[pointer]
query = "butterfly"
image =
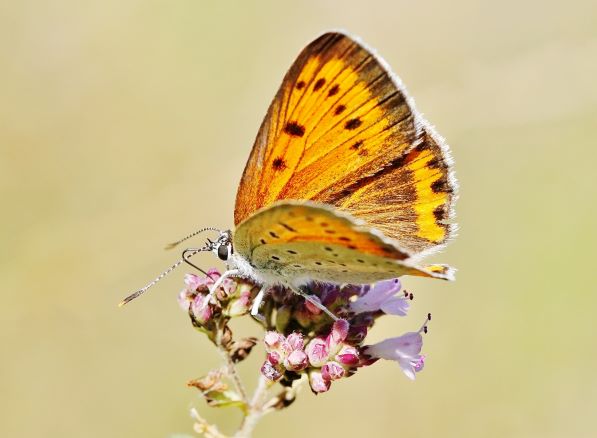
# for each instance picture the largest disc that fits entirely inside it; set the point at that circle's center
(346, 181)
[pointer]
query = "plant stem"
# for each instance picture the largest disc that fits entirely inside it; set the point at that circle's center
(201, 426)
(231, 369)
(255, 410)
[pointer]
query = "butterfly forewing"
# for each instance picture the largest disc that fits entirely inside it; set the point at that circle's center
(410, 200)
(342, 131)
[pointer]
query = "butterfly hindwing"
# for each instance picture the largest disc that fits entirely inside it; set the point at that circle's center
(297, 240)
(342, 131)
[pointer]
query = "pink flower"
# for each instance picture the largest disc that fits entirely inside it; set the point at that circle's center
(274, 358)
(270, 372)
(229, 285)
(184, 299)
(194, 282)
(348, 356)
(295, 341)
(338, 334)
(201, 308)
(318, 383)
(241, 305)
(317, 352)
(420, 364)
(273, 340)
(382, 296)
(332, 371)
(404, 349)
(284, 352)
(296, 361)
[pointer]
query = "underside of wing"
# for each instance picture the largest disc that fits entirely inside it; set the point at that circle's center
(342, 131)
(304, 240)
(411, 200)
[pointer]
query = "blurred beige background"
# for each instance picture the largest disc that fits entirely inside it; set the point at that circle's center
(126, 124)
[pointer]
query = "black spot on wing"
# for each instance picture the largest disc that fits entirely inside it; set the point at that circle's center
(433, 163)
(353, 124)
(439, 213)
(294, 129)
(440, 186)
(279, 164)
(334, 90)
(339, 109)
(288, 227)
(318, 84)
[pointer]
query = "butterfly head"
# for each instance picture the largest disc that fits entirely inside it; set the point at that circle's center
(222, 247)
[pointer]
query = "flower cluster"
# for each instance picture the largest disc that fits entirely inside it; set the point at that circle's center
(302, 342)
(300, 339)
(305, 341)
(322, 359)
(233, 298)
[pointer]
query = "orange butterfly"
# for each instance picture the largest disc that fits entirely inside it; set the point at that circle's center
(346, 182)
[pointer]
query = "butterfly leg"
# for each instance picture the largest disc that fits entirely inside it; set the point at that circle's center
(315, 302)
(218, 283)
(257, 303)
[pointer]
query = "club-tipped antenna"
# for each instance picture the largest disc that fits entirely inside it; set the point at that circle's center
(202, 230)
(184, 259)
(141, 291)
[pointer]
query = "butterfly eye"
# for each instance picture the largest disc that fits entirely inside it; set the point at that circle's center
(223, 252)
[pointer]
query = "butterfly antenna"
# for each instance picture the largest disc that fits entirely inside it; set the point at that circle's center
(174, 244)
(141, 291)
(184, 259)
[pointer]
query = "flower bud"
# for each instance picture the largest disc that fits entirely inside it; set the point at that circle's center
(270, 372)
(273, 358)
(273, 340)
(296, 361)
(348, 356)
(318, 383)
(201, 308)
(193, 282)
(241, 305)
(229, 286)
(317, 352)
(338, 333)
(332, 371)
(184, 299)
(295, 341)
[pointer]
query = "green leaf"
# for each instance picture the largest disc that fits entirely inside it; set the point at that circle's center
(224, 399)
